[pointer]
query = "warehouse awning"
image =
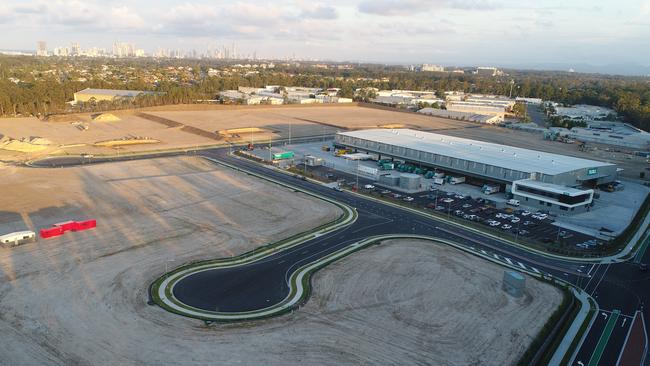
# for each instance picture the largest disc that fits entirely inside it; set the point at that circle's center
(592, 177)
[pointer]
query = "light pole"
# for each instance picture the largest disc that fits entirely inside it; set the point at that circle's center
(448, 208)
(357, 186)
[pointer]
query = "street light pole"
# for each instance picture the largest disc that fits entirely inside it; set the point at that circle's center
(357, 186)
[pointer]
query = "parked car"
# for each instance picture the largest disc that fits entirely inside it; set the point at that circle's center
(525, 213)
(506, 227)
(408, 199)
(448, 200)
(494, 223)
(369, 186)
(512, 202)
(467, 205)
(515, 220)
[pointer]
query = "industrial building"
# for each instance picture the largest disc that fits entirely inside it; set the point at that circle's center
(108, 94)
(463, 116)
(611, 133)
(538, 179)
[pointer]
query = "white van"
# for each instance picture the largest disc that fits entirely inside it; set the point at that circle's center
(512, 202)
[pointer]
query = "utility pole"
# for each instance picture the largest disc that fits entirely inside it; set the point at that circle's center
(357, 186)
(512, 83)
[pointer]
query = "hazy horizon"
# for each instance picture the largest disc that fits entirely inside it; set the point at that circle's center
(604, 34)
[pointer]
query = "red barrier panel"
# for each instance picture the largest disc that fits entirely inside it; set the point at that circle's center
(51, 232)
(66, 226)
(85, 225)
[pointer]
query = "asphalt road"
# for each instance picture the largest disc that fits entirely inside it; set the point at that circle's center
(620, 286)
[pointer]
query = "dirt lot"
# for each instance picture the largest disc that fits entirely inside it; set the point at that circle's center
(276, 121)
(62, 134)
(81, 299)
(279, 119)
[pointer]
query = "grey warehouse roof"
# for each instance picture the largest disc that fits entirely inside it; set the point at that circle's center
(504, 156)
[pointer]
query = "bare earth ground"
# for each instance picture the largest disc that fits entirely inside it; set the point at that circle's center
(277, 121)
(352, 117)
(64, 133)
(81, 299)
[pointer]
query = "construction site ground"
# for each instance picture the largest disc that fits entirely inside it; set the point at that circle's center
(191, 126)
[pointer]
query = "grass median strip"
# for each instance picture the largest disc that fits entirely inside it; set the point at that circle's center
(604, 338)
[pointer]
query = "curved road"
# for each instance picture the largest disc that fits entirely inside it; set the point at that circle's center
(257, 285)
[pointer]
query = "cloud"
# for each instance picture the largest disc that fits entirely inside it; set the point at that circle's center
(122, 17)
(412, 7)
(395, 7)
(319, 12)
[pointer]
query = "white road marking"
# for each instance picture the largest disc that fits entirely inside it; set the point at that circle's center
(509, 261)
(521, 265)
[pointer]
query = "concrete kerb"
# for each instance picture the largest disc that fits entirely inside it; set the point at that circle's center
(298, 281)
(572, 332)
(161, 290)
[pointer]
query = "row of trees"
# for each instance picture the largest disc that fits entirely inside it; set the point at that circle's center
(48, 93)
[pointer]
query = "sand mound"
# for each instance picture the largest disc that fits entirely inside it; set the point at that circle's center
(393, 125)
(24, 145)
(106, 117)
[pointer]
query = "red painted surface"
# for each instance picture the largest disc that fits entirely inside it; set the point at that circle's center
(67, 226)
(85, 225)
(62, 227)
(51, 232)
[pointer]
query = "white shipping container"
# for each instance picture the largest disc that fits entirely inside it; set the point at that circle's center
(368, 170)
(18, 238)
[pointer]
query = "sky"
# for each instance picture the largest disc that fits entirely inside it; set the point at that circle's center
(448, 32)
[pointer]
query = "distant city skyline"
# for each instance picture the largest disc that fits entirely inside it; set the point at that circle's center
(449, 32)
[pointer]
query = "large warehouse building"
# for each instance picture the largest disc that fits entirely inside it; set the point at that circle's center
(556, 182)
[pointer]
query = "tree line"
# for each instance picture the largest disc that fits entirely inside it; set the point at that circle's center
(40, 93)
